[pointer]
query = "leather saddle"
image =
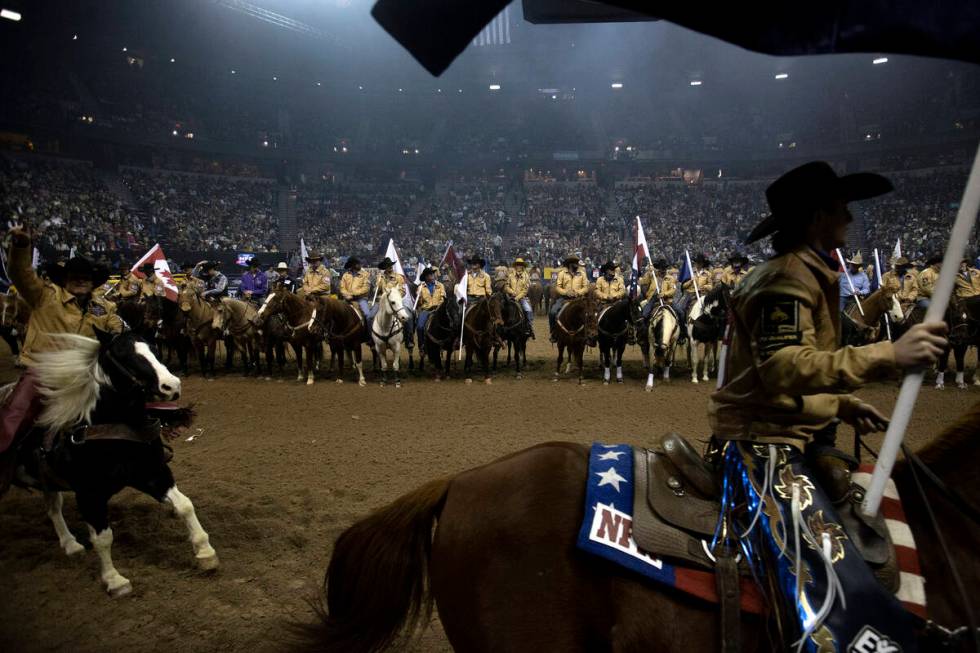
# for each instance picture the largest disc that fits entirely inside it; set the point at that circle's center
(676, 507)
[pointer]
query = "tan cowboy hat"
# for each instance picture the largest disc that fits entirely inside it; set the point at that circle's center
(282, 266)
(900, 262)
(520, 261)
(314, 256)
(856, 259)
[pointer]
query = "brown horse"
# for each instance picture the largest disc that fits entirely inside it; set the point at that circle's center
(14, 314)
(236, 317)
(200, 326)
(305, 333)
(344, 330)
(480, 333)
(861, 329)
(535, 295)
(504, 571)
(577, 326)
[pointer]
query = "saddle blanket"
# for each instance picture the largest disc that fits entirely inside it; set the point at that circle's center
(607, 532)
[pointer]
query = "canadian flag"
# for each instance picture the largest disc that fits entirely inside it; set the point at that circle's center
(159, 261)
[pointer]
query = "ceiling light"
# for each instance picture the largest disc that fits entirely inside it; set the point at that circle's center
(172, 60)
(10, 14)
(495, 87)
(438, 90)
(399, 90)
(782, 76)
(174, 132)
(879, 60)
(554, 97)
(318, 84)
(695, 82)
(617, 85)
(125, 49)
(233, 71)
(275, 79)
(74, 37)
(460, 90)
(360, 88)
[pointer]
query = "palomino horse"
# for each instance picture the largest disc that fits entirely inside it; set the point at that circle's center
(441, 336)
(660, 343)
(705, 326)
(102, 439)
(494, 548)
(200, 327)
(857, 329)
(963, 318)
(389, 331)
(237, 318)
(513, 331)
(480, 325)
(301, 318)
(344, 330)
(613, 326)
(14, 314)
(576, 327)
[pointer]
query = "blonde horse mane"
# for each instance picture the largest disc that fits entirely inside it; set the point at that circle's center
(69, 380)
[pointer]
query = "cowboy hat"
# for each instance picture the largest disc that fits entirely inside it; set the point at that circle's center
(148, 269)
(857, 259)
(608, 265)
(78, 267)
(186, 265)
(520, 261)
(660, 264)
(702, 259)
(934, 258)
(811, 184)
(386, 264)
(210, 265)
(314, 256)
(253, 263)
(351, 262)
(900, 262)
(477, 260)
(571, 260)
(282, 266)
(426, 272)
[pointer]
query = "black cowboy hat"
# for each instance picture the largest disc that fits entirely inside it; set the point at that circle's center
(702, 259)
(477, 260)
(210, 265)
(740, 259)
(808, 186)
(351, 262)
(186, 265)
(933, 259)
(386, 264)
(426, 272)
(253, 262)
(608, 265)
(314, 256)
(79, 267)
(570, 260)
(661, 264)
(148, 269)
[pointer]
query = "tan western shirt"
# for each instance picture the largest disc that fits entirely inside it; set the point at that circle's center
(431, 301)
(316, 281)
(518, 283)
(478, 285)
(355, 285)
(607, 291)
(786, 377)
(571, 285)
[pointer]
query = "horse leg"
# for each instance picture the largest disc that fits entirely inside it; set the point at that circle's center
(66, 540)
(468, 364)
(496, 350)
(692, 358)
(605, 358)
(383, 356)
(706, 353)
(561, 356)
(396, 361)
(941, 366)
(579, 354)
(341, 352)
(360, 367)
(485, 363)
(94, 509)
(204, 554)
(959, 354)
(619, 362)
(311, 351)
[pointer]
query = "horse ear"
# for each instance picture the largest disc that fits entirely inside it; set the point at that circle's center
(104, 337)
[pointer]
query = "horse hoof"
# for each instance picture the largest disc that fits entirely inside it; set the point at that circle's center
(694, 380)
(398, 384)
(268, 378)
(469, 381)
(309, 382)
(619, 381)
(961, 386)
(488, 381)
(120, 589)
(437, 379)
(519, 377)
(362, 383)
(72, 548)
(339, 381)
(648, 388)
(208, 562)
(605, 383)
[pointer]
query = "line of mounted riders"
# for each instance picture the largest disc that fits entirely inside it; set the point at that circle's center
(305, 323)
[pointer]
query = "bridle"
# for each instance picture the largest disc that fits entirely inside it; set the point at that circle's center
(397, 321)
(130, 378)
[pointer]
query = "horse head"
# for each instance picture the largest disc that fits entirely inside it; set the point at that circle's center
(895, 313)
(271, 306)
(129, 362)
(394, 301)
(189, 295)
(495, 307)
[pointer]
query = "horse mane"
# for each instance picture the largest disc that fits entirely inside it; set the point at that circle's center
(952, 446)
(70, 380)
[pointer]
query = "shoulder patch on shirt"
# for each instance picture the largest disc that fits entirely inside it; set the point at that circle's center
(96, 310)
(779, 326)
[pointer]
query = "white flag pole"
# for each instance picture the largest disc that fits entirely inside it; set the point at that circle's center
(958, 238)
(843, 264)
(656, 284)
(462, 324)
(694, 277)
(888, 322)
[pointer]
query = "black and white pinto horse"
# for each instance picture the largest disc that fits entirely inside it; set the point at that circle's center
(94, 396)
(658, 343)
(613, 326)
(705, 326)
(390, 328)
(513, 331)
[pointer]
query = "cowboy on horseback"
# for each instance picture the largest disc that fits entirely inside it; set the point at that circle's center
(317, 280)
(903, 281)
(859, 285)
(355, 285)
(784, 389)
(478, 285)
(517, 286)
(431, 296)
(151, 285)
(609, 287)
(928, 278)
(967, 281)
(701, 274)
(63, 305)
(254, 282)
(668, 289)
(571, 283)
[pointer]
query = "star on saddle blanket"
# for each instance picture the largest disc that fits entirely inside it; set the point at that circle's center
(607, 532)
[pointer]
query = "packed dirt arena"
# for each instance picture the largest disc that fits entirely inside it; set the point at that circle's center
(278, 470)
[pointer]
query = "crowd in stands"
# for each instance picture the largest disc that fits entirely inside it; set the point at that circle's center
(560, 218)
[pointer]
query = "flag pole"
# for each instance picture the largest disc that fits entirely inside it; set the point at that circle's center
(843, 264)
(656, 284)
(912, 382)
(462, 324)
(888, 322)
(694, 278)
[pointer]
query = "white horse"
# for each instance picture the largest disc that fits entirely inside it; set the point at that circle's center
(387, 330)
(662, 337)
(697, 351)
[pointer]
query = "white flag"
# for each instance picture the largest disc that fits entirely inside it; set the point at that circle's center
(461, 288)
(392, 253)
(303, 254)
(897, 252)
(419, 267)
(35, 258)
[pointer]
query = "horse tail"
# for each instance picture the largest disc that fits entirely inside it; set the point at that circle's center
(376, 587)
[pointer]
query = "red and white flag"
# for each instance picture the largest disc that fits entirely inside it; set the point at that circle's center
(454, 260)
(162, 269)
(639, 251)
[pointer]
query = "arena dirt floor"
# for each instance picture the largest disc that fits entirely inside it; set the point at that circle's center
(277, 470)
